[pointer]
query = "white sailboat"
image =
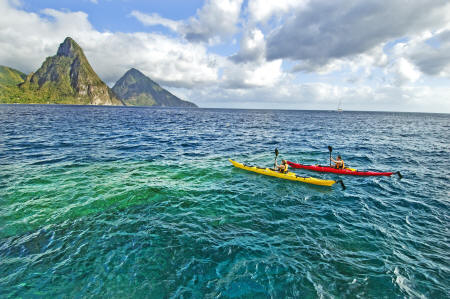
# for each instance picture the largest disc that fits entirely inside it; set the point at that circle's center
(339, 108)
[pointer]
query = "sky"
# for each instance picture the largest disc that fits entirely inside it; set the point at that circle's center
(286, 54)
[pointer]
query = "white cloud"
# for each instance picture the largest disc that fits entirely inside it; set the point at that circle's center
(215, 18)
(249, 68)
(155, 19)
(355, 69)
(252, 47)
(322, 69)
(168, 61)
(429, 52)
(215, 21)
(61, 22)
(252, 74)
(27, 38)
(404, 72)
(262, 10)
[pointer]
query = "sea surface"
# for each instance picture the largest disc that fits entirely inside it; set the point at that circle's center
(123, 202)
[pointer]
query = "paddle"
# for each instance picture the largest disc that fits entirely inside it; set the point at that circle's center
(342, 184)
(330, 149)
(276, 155)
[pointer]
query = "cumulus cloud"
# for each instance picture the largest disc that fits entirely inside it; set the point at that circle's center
(429, 52)
(404, 72)
(364, 61)
(216, 20)
(263, 11)
(155, 19)
(27, 38)
(326, 30)
(433, 62)
(168, 61)
(249, 67)
(251, 74)
(252, 47)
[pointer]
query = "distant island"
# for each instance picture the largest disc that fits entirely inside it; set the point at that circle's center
(68, 78)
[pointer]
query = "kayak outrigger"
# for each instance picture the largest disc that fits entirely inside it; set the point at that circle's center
(287, 176)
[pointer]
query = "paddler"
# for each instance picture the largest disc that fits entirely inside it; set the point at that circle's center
(283, 167)
(339, 162)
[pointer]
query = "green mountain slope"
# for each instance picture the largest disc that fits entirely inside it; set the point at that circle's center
(10, 76)
(136, 89)
(66, 78)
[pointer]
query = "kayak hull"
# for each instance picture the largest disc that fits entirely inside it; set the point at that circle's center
(287, 176)
(338, 171)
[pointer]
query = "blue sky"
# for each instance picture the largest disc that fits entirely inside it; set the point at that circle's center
(284, 54)
(113, 15)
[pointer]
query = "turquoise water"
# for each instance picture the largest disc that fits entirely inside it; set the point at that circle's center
(142, 202)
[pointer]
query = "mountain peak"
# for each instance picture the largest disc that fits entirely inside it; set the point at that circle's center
(134, 72)
(136, 89)
(69, 48)
(136, 75)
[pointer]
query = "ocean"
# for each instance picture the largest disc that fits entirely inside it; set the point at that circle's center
(123, 202)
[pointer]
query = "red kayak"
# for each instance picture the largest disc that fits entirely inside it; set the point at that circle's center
(348, 171)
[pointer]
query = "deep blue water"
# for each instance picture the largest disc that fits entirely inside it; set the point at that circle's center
(120, 202)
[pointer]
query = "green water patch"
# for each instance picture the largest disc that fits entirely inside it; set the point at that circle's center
(41, 195)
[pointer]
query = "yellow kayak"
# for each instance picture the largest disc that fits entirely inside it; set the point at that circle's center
(287, 176)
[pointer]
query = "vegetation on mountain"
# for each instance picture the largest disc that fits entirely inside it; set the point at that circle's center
(10, 76)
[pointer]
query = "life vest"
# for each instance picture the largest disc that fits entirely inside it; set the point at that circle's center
(340, 166)
(285, 170)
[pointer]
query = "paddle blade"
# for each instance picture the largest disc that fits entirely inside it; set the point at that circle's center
(399, 175)
(342, 184)
(330, 149)
(275, 162)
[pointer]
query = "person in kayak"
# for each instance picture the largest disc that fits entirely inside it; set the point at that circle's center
(339, 162)
(283, 167)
